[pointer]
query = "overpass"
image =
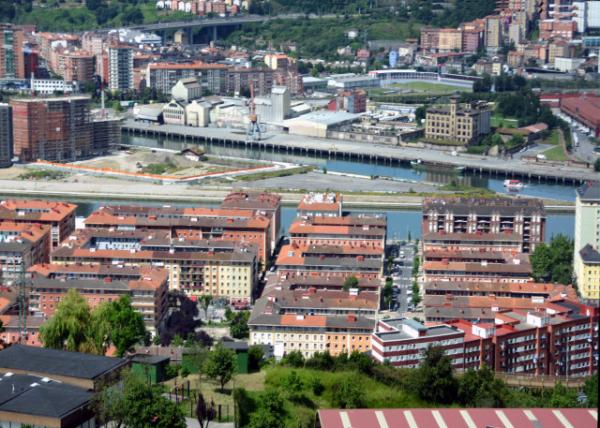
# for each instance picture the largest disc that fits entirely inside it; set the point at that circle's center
(200, 23)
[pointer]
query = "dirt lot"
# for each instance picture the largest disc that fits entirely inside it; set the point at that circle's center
(163, 163)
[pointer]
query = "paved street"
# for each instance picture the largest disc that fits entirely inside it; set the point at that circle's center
(402, 276)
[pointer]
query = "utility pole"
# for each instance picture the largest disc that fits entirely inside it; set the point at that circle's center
(23, 303)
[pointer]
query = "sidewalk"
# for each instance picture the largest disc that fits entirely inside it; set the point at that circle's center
(193, 423)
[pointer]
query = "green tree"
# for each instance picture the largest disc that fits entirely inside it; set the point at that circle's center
(205, 301)
(239, 325)
(135, 404)
(293, 359)
(591, 390)
(563, 397)
(435, 381)
(553, 262)
(69, 327)
(255, 357)
(350, 282)
(479, 388)
(220, 365)
(270, 412)
(293, 385)
(348, 394)
(420, 114)
(125, 325)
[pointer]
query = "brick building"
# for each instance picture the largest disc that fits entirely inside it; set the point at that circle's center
(12, 60)
(147, 286)
(53, 128)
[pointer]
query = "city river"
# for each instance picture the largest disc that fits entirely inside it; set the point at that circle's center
(541, 189)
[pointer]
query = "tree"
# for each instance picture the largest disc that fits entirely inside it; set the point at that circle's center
(435, 381)
(420, 114)
(479, 388)
(553, 262)
(591, 390)
(125, 324)
(220, 365)
(293, 359)
(204, 412)
(388, 292)
(350, 282)
(255, 357)
(270, 411)
(239, 325)
(205, 301)
(69, 327)
(597, 165)
(135, 404)
(563, 397)
(293, 385)
(349, 394)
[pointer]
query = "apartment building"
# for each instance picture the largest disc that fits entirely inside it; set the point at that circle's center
(59, 216)
(313, 321)
(120, 68)
(163, 76)
(466, 124)
(277, 281)
(261, 203)
(196, 266)
(52, 128)
(239, 80)
(77, 66)
(401, 342)
(12, 60)
(559, 338)
(146, 285)
(6, 135)
(351, 230)
(478, 242)
(242, 226)
(22, 246)
(587, 233)
(330, 261)
(485, 219)
(587, 268)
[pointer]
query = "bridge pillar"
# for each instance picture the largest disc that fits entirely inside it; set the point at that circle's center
(214, 34)
(190, 36)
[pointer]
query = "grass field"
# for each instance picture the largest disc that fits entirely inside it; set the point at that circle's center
(555, 154)
(431, 87)
(498, 121)
(552, 139)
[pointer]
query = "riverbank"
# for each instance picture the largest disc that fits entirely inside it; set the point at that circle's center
(94, 189)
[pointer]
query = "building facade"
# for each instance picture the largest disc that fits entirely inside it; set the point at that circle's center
(53, 128)
(22, 246)
(120, 68)
(466, 124)
(587, 234)
(12, 60)
(6, 136)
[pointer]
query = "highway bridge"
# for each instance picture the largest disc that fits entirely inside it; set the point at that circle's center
(198, 23)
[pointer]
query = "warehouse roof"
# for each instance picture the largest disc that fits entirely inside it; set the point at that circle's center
(57, 362)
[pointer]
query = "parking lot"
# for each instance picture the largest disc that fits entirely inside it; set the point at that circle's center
(401, 273)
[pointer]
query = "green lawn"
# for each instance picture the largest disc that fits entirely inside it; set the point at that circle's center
(430, 87)
(552, 139)
(555, 154)
(498, 121)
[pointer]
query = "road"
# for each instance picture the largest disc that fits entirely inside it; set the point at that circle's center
(402, 276)
(367, 151)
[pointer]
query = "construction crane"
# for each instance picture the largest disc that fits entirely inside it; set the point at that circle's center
(253, 127)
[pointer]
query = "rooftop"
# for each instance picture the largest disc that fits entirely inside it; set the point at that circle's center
(251, 200)
(590, 255)
(456, 418)
(395, 330)
(35, 210)
(43, 397)
(56, 362)
(484, 206)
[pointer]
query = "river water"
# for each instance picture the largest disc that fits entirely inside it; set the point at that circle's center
(540, 189)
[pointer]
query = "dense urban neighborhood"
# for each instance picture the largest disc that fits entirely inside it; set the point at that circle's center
(276, 213)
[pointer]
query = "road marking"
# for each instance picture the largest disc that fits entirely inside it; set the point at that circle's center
(438, 418)
(345, 420)
(504, 419)
(594, 414)
(562, 419)
(530, 415)
(410, 419)
(465, 415)
(381, 419)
